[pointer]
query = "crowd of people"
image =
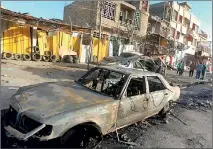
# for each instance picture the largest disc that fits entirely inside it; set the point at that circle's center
(200, 69)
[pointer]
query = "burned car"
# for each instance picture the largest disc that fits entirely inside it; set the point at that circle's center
(136, 62)
(106, 98)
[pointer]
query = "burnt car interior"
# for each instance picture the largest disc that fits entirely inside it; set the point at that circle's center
(136, 87)
(138, 65)
(104, 81)
(155, 84)
(149, 64)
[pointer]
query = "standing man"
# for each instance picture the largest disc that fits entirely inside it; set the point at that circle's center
(179, 66)
(182, 68)
(192, 68)
(199, 70)
(203, 71)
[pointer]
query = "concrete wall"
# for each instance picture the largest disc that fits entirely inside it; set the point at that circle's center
(34, 36)
(81, 12)
(4, 26)
(144, 23)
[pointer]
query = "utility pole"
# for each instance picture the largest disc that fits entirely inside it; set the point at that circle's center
(71, 32)
(90, 50)
(100, 22)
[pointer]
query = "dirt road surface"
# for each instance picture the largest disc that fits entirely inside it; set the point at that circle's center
(152, 133)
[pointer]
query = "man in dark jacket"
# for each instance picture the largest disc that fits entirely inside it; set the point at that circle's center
(192, 68)
(203, 71)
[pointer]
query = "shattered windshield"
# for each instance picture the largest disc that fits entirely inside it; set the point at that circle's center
(104, 81)
(125, 54)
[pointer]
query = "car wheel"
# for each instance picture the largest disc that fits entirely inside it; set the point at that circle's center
(166, 108)
(80, 138)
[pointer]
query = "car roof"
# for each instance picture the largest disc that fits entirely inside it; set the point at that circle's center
(135, 58)
(133, 52)
(129, 71)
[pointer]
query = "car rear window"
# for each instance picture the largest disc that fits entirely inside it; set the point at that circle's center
(126, 54)
(155, 84)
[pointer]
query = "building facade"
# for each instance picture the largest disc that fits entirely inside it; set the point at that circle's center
(204, 46)
(183, 24)
(125, 21)
(116, 15)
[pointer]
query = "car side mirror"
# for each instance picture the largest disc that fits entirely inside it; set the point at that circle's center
(171, 84)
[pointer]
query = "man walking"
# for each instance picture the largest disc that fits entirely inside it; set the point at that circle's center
(203, 71)
(192, 68)
(199, 70)
(182, 68)
(179, 66)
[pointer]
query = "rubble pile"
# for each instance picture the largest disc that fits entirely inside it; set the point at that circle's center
(197, 100)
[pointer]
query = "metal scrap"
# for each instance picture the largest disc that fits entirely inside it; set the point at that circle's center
(178, 118)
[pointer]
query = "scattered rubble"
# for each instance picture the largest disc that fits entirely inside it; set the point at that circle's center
(197, 100)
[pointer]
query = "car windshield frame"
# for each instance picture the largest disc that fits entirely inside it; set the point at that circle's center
(118, 96)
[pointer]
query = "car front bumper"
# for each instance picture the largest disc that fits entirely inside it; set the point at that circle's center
(12, 132)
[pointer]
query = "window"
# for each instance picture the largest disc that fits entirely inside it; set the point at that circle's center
(145, 5)
(104, 81)
(175, 15)
(136, 87)
(194, 42)
(155, 84)
(180, 19)
(196, 28)
(121, 16)
(178, 35)
(109, 10)
(149, 64)
(137, 65)
(172, 32)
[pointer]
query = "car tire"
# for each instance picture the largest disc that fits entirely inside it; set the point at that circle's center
(36, 57)
(53, 58)
(45, 58)
(27, 57)
(18, 57)
(36, 49)
(166, 108)
(68, 59)
(7, 56)
(79, 138)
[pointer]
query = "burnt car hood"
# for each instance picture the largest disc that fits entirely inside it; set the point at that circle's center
(47, 99)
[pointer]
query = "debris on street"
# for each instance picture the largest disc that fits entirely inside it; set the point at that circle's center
(178, 118)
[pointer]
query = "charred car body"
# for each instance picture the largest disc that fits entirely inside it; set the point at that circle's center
(134, 61)
(104, 99)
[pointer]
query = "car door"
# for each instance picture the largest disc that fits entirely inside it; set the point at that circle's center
(158, 94)
(138, 65)
(134, 104)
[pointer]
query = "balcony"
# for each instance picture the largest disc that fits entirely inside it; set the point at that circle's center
(178, 27)
(173, 24)
(164, 32)
(193, 34)
(183, 30)
(180, 39)
(127, 5)
(187, 15)
(126, 16)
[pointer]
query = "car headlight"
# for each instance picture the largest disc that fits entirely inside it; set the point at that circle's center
(46, 131)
